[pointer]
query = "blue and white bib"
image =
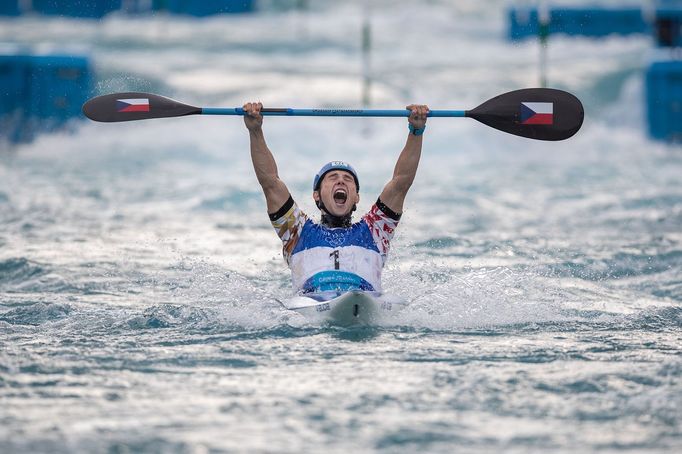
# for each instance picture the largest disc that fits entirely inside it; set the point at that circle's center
(335, 259)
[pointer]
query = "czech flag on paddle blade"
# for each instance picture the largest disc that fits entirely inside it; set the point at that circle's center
(132, 105)
(537, 113)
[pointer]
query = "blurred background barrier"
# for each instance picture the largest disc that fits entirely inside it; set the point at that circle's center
(41, 93)
(204, 8)
(668, 23)
(100, 8)
(664, 100)
(9, 8)
(524, 22)
(662, 19)
(664, 75)
(80, 8)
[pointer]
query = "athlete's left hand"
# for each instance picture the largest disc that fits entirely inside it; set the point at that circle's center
(418, 114)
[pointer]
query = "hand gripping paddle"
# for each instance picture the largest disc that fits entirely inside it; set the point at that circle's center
(535, 113)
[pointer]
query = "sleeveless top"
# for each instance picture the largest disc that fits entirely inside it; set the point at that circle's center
(323, 258)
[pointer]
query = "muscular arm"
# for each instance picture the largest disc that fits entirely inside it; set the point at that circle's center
(405, 169)
(276, 192)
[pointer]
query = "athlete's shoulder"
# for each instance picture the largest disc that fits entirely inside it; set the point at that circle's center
(289, 210)
(382, 222)
(380, 211)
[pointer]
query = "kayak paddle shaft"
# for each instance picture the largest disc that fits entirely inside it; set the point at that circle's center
(288, 112)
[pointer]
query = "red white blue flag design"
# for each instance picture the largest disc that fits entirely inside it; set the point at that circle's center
(132, 105)
(537, 113)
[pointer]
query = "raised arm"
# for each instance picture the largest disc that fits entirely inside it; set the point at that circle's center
(405, 170)
(276, 192)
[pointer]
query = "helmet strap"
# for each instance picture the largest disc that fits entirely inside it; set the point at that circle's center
(330, 220)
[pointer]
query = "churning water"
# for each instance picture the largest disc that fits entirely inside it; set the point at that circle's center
(139, 276)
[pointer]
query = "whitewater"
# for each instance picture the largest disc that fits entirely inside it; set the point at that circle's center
(140, 276)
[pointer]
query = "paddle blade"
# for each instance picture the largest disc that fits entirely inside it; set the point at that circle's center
(535, 113)
(134, 106)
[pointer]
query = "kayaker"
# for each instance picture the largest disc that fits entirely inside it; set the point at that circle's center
(335, 254)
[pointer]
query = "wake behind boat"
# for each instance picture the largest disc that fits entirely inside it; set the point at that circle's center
(354, 307)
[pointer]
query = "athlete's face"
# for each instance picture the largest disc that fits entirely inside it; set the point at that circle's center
(338, 192)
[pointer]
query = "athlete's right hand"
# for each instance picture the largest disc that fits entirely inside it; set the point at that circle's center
(253, 118)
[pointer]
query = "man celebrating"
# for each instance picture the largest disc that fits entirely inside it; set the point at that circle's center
(335, 254)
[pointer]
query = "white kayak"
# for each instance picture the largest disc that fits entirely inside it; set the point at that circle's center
(354, 307)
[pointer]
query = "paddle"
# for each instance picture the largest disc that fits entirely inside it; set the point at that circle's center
(535, 113)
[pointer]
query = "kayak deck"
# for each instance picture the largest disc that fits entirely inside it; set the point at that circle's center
(346, 308)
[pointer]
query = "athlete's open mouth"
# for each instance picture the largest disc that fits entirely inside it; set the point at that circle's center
(340, 196)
